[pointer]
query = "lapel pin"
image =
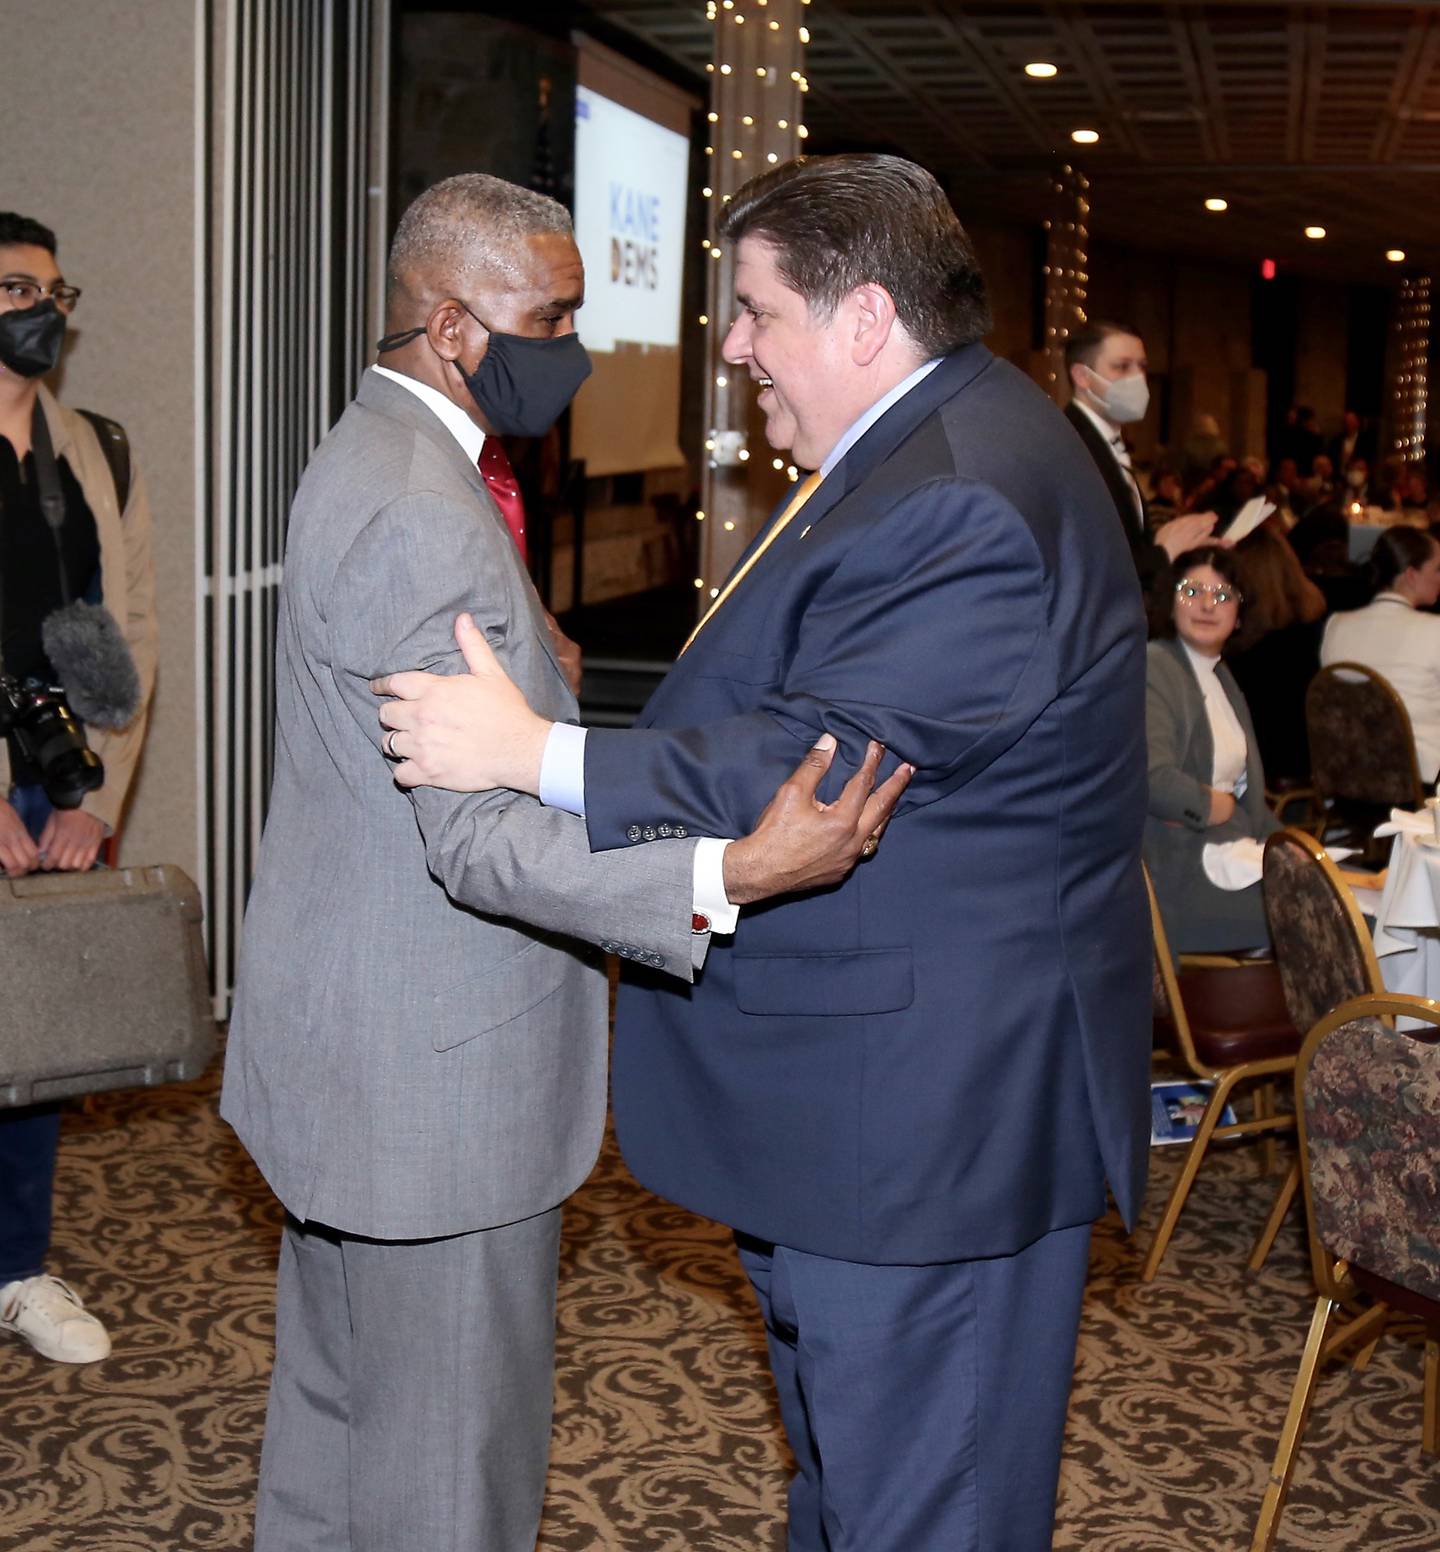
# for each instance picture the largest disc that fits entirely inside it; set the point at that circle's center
(805, 530)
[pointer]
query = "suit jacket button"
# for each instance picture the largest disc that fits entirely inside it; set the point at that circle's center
(650, 833)
(607, 948)
(665, 831)
(680, 832)
(658, 960)
(633, 833)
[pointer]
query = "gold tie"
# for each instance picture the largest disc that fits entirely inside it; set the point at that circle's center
(807, 489)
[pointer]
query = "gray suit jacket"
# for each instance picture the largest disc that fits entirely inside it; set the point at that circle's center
(418, 1043)
(1198, 916)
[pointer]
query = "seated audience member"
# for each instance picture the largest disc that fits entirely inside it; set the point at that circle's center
(1395, 636)
(1207, 784)
(1276, 649)
(1320, 487)
(1353, 442)
(1321, 541)
(1358, 487)
(1414, 489)
(1285, 491)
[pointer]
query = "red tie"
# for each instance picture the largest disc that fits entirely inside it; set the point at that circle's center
(500, 481)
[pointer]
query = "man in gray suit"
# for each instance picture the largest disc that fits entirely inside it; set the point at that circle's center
(417, 1056)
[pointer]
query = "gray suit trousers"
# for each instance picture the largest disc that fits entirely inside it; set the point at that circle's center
(411, 1397)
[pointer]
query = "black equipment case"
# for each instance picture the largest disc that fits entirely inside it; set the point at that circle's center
(102, 983)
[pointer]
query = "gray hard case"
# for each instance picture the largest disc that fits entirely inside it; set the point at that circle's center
(102, 983)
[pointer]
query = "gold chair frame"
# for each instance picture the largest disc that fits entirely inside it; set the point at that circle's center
(1336, 1286)
(1225, 1079)
(1291, 1184)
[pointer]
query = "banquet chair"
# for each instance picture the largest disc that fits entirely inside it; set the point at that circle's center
(1324, 954)
(1362, 747)
(1228, 1025)
(1368, 1104)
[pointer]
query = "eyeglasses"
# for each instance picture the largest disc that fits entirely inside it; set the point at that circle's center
(1187, 592)
(25, 293)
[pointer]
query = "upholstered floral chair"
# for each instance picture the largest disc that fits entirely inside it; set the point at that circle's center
(1324, 955)
(1368, 1101)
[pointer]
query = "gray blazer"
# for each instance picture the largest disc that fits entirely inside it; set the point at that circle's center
(1198, 916)
(418, 1043)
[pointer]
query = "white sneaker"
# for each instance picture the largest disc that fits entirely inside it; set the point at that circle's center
(52, 1320)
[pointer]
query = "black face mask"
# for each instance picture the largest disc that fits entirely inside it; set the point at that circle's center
(521, 385)
(30, 338)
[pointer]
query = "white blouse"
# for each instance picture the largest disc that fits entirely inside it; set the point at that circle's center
(1228, 737)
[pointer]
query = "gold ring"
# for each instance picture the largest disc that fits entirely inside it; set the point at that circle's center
(871, 846)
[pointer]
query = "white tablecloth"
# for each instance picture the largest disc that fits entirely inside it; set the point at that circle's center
(1407, 918)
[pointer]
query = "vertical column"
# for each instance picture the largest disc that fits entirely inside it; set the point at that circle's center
(1410, 394)
(757, 87)
(1066, 271)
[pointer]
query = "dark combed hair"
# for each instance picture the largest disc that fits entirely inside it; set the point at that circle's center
(1083, 344)
(1396, 550)
(837, 222)
(18, 230)
(1160, 601)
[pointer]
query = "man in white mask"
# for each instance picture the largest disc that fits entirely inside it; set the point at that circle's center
(1106, 365)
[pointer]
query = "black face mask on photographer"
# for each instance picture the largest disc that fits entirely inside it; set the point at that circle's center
(521, 385)
(30, 338)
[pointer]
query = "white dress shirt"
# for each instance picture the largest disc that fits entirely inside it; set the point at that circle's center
(1118, 450)
(1231, 751)
(1404, 645)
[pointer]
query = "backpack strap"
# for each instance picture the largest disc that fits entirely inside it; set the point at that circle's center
(116, 446)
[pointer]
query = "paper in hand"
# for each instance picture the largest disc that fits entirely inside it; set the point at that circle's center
(1248, 519)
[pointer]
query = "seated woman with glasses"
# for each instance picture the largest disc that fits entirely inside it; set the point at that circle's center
(1207, 812)
(1395, 636)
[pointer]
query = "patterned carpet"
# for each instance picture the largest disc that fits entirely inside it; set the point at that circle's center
(665, 1436)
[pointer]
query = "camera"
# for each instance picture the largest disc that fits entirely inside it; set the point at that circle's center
(49, 738)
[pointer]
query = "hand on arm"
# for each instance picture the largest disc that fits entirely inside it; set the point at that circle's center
(468, 732)
(18, 853)
(800, 843)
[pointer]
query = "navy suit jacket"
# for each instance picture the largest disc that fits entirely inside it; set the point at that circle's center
(944, 1056)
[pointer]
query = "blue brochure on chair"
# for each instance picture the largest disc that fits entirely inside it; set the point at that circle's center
(1176, 1108)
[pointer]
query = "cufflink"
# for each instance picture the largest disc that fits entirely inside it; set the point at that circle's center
(699, 922)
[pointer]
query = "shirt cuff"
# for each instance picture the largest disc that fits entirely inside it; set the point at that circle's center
(562, 769)
(711, 901)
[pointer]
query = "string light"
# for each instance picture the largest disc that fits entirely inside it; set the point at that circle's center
(1411, 393)
(1066, 270)
(754, 121)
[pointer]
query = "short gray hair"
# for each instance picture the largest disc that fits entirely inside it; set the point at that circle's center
(471, 221)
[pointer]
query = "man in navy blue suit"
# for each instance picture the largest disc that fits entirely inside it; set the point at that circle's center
(905, 1092)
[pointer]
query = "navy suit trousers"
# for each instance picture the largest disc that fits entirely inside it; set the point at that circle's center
(925, 1405)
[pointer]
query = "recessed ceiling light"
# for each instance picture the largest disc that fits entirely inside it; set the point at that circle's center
(1217, 204)
(1085, 136)
(1395, 255)
(1316, 232)
(1041, 70)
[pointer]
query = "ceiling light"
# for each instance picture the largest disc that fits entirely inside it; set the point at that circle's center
(1316, 232)
(1039, 70)
(1085, 136)
(1395, 255)
(1217, 204)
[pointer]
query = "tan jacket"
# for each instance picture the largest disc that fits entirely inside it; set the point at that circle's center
(127, 582)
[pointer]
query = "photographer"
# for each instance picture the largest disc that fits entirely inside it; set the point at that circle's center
(77, 629)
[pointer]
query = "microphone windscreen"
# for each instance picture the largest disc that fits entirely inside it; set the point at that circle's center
(92, 660)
